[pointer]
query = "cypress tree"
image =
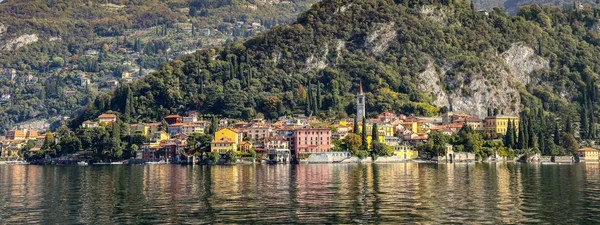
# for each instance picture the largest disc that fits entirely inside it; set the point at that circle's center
(531, 134)
(521, 137)
(509, 139)
(213, 126)
(364, 133)
(356, 131)
(540, 141)
(319, 100)
(556, 135)
(568, 126)
(374, 133)
(309, 98)
(583, 120)
(514, 133)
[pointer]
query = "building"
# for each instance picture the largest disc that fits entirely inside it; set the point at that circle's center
(387, 117)
(204, 32)
(173, 119)
(245, 146)
(588, 154)
(223, 145)
(341, 131)
(112, 84)
(5, 98)
(223, 122)
(471, 121)
(189, 119)
(226, 139)
(273, 143)
(175, 129)
(194, 127)
(450, 117)
(309, 140)
(360, 104)
(383, 129)
(405, 152)
(8, 73)
(107, 118)
(499, 124)
(22, 135)
(391, 141)
(89, 124)
(259, 131)
(410, 126)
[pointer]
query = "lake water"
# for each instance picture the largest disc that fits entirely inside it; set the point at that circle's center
(372, 193)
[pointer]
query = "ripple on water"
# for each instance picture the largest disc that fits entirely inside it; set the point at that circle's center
(386, 193)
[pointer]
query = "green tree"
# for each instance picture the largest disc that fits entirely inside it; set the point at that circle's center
(509, 139)
(365, 143)
(214, 125)
(356, 130)
(353, 143)
(214, 157)
(375, 133)
(569, 143)
(49, 143)
(378, 148)
(231, 156)
(199, 144)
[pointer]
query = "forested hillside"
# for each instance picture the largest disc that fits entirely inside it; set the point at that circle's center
(512, 6)
(544, 58)
(66, 52)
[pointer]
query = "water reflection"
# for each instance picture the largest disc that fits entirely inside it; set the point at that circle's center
(384, 193)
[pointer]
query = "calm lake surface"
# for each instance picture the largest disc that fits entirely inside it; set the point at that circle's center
(373, 193)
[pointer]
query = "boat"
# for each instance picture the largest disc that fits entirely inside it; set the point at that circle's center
(157, 163)
(16, 162)
(82, 163)
(117, 163)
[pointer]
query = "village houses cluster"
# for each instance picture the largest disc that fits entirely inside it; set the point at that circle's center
(282, 140)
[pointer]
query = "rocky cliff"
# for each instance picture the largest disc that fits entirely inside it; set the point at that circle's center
(474, 93)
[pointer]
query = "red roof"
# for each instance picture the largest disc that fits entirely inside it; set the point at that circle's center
(107, 116)
(172, 116)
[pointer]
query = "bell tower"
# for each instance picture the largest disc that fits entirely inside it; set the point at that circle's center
(360, 104)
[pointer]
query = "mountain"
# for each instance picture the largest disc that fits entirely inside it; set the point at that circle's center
(512, 6)
(411, 56)
(67, 52)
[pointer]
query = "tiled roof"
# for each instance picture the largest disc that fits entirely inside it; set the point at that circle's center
(107, 116)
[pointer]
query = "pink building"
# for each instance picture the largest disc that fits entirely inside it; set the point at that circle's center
(307, 140)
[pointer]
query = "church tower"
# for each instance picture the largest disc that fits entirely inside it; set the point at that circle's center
(360, 104)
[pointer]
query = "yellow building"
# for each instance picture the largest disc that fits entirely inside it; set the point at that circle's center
(588, 154)
(140, 129)
(499, 124)
(223, 145)
(245, 146)
(384, 129)
(157, 138)
(233, 134)
(411, 126)
(405, 152)
(226, 139)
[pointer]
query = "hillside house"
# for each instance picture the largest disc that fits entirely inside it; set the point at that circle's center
(107, 118)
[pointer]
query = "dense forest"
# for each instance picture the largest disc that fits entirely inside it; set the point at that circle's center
(302, 68)
(512, 6)
(104, 39)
